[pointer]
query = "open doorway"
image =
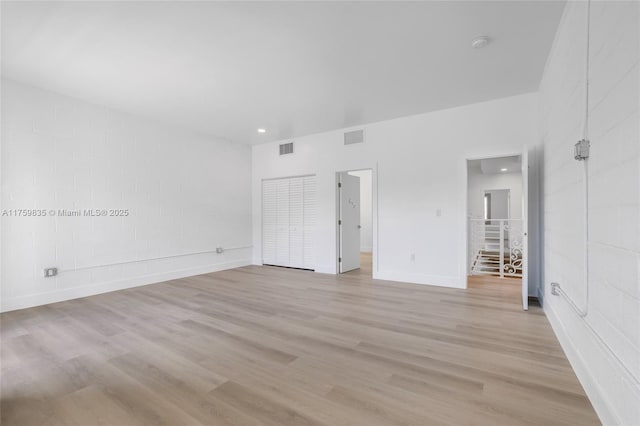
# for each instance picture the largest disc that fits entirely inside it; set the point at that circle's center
(355, 221)
(496, 212)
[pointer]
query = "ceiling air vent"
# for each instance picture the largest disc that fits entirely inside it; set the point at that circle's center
(356, 136)
(286, 148)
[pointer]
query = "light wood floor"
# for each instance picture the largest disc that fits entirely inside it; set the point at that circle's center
(265, 345)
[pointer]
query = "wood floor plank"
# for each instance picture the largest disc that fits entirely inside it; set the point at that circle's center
(274, 346)
(260, 406)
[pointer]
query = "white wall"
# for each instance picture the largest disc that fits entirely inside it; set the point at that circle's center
(366, 209)
(614, 195)
(185, 193)
(499, 203)
(479, 183)
(419, 167)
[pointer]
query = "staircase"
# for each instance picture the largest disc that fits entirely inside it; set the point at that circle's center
(496, 247)
(488, 262)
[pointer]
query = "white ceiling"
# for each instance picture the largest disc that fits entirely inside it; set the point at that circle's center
(490, 166)
(294, 68)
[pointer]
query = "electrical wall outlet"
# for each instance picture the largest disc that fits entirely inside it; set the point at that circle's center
(219, 250)
(50, 272)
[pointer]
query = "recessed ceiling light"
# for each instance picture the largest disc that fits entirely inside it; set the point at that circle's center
(503, 170)
(480, 42)
(262, 130)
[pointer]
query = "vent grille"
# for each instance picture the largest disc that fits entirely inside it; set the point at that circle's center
(286, 148)
(356, 136)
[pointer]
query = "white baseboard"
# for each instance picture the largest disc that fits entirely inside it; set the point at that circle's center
(106, 287)
(592, 388)
(407, 277)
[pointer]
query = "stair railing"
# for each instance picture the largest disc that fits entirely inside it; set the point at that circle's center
(495, 247)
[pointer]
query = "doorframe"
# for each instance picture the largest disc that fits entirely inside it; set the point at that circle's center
(465, 213)
(374, 216)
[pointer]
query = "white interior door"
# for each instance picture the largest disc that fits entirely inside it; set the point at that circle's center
(282, 222)
(269, 221)
(525, 229)
(296, 223)
(309, 219)
(349, 222)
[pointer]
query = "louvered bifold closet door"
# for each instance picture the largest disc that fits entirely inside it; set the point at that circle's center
(269, 221)
(282, 222)
(309, 220)
(296, 224)
(288, 221)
